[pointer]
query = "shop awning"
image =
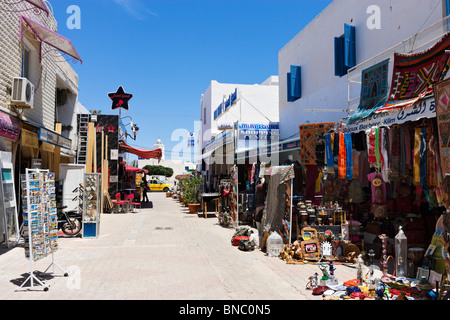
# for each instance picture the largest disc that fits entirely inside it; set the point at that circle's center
(142, 153)
(134, 169)
(50, 37)
(39, 4)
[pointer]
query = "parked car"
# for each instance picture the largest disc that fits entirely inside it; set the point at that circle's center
(158, 185)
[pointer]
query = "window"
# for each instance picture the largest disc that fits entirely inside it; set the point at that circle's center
(294, 84)
(345, 51)
(25, 63)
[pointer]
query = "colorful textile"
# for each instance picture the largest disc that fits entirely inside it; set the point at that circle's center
(442, 98)
(309, 135)
(329, 152)
(349, 156)
(423, 157)
(395, 152)
(431, 155)
(355, 164)
(384, 147)
(342, 162)
(275, 201)
(378, 148)
(370, 134)
(311, 176)
(416, 163)
(374, 90)
(378, 193)
(414, 74)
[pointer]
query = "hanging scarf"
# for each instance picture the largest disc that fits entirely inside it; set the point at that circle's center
(431, 155)
(377, 149)
(416, 159)
(395, 152)
(335, 144)
(439, 188)
(402, 160)
(355, 164)
(349, 155)
(329, 152)
(370, 136)
(342, 162)
(384, 146)
(423, 157)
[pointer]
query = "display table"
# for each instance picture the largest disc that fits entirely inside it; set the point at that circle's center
(207, 197)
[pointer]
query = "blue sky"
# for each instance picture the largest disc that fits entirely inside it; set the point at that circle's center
(166, 52)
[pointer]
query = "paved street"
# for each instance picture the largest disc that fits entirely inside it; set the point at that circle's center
(163, 253)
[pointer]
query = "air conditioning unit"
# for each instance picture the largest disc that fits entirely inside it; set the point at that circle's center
(22, 93)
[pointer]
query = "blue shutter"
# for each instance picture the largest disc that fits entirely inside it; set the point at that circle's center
(339, 57)
(290, 98)
(296, 82)
(350, 46)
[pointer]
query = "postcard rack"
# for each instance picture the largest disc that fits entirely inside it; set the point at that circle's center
(91, 205)
(40, 223)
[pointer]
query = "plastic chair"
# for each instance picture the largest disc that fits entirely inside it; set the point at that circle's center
(119, 202)
(130, 198)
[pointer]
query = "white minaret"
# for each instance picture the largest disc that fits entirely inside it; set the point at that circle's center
(159, 145)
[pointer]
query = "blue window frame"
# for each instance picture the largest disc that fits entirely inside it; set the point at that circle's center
(294, 84)
(345, 51)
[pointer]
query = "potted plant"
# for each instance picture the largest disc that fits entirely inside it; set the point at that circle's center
(191, 189)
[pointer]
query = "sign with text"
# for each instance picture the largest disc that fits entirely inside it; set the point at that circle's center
(425, 108)
(120, 99)
(9, 127)
(54, 138)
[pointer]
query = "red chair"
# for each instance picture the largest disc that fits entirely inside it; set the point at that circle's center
(130, 199)
(118, 202)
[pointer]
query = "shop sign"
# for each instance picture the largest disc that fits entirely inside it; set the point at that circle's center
(54, 138)
(253, 135)
(29, 139)
(291, 145)
(120, 99)
(64, 142)
(9, 127)
(225, 125)
(425, 108)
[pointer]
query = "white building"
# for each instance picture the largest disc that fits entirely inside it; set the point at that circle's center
(377, 29)
(257, 103)
(38, 96)
(228, 111)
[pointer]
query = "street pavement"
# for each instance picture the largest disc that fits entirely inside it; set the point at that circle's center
(160, 253)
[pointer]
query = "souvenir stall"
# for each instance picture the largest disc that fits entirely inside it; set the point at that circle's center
(385, 169)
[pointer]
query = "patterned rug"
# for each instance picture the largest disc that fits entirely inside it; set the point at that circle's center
(414, 74)
(309, 135)
(374, 90)
(442, 97)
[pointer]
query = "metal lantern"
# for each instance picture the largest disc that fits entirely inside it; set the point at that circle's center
(401, 254)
